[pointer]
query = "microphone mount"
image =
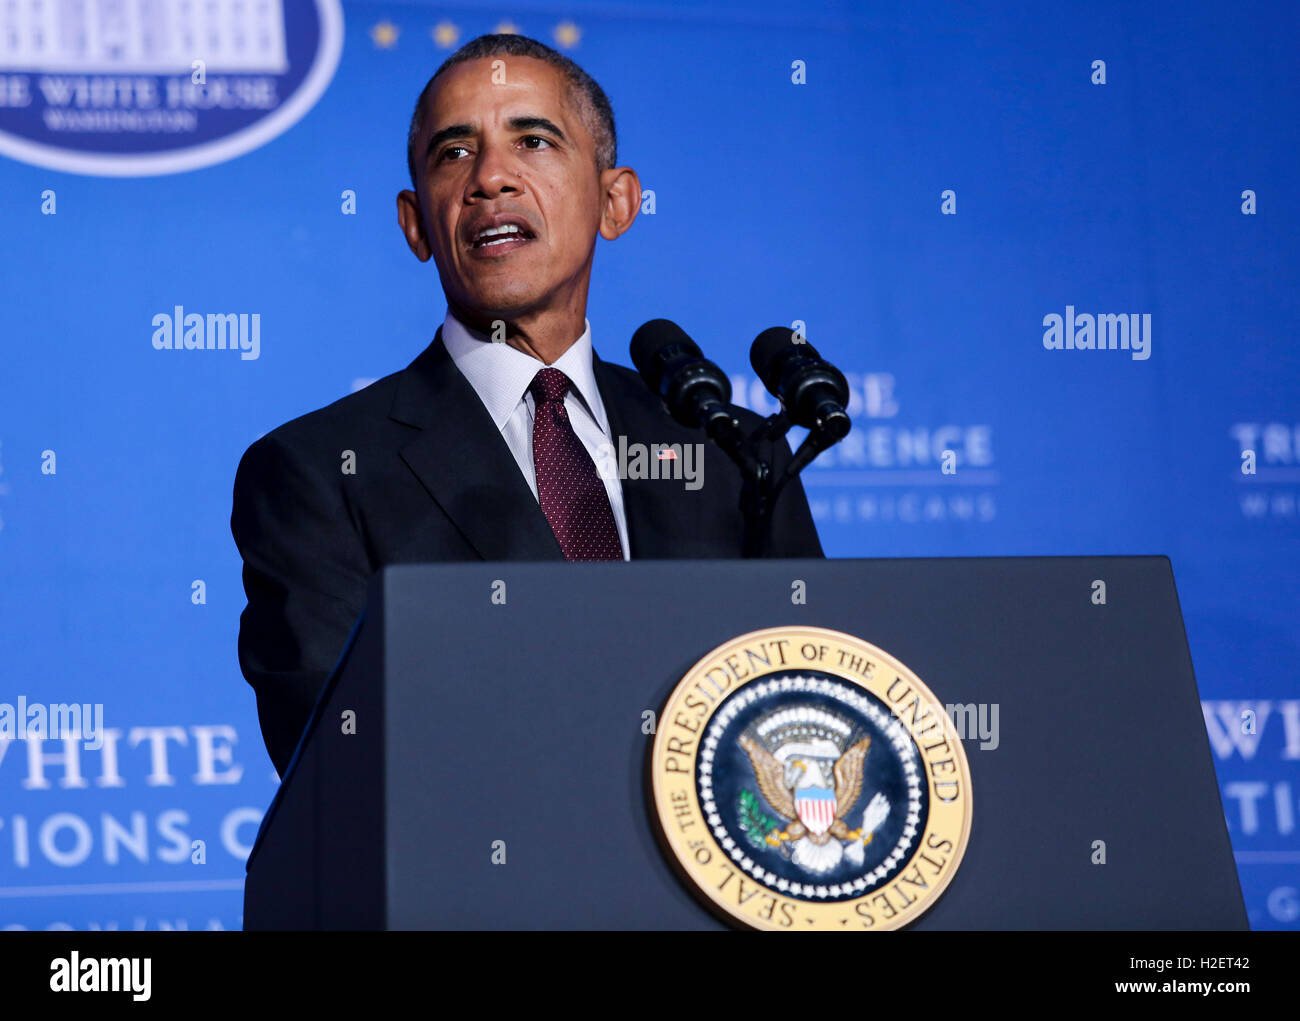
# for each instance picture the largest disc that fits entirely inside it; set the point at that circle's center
(761, 486)
(697, 394)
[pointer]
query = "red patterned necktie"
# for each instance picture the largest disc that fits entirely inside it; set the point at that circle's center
(572, 495)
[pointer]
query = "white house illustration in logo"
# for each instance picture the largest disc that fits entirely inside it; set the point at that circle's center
(142, 36)
(107, 87)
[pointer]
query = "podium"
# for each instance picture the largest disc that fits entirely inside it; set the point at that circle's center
(479, 757)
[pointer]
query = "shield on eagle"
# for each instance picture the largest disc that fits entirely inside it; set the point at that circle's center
(816, 808)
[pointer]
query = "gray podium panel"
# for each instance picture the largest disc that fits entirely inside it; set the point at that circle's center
(521, 723)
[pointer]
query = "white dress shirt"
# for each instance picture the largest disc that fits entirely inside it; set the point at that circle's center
(501, 375)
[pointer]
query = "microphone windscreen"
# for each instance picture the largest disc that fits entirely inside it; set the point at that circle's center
(773, 344)
(650, 340)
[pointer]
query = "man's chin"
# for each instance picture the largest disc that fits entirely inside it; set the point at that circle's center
(510, 298)
(484, 310)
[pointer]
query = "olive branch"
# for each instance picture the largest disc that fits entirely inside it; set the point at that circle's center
(754, 822)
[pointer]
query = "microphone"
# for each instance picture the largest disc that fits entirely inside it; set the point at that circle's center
(695, 391)
(813, 392)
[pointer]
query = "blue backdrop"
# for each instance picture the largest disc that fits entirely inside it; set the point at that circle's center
(923, 189)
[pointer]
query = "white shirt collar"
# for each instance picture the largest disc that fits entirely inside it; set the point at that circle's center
(501, 374)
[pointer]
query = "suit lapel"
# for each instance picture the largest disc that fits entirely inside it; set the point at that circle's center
(463, 461)
(636, 413)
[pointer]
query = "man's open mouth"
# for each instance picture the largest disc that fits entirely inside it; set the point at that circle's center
(505, 235)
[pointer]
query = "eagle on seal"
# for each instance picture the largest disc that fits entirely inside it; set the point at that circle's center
(779, 784)
(800, 791)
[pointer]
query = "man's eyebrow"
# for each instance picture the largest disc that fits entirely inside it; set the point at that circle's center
(528, 123)
(515, 124)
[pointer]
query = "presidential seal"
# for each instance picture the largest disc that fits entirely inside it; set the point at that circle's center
(805, 779)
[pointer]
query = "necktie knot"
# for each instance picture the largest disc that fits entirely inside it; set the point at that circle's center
(549, 385)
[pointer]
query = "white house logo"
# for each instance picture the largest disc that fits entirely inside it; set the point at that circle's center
(133, 88)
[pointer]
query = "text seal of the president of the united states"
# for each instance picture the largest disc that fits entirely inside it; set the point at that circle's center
(806, 779)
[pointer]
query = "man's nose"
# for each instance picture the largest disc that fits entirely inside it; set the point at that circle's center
(495, 171)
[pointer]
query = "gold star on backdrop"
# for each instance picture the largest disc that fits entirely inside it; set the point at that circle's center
(385, 35)
(506, 28)
(567, 34)
(445, 34)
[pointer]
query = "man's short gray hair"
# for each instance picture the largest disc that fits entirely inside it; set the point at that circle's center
(596, 111)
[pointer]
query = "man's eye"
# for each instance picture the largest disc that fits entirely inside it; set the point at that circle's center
(536, 138)
(451, 148)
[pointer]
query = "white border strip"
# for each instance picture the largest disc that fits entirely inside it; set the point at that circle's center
(92, 889)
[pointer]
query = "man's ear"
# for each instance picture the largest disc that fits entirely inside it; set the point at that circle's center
(622, 190)
(408, 215)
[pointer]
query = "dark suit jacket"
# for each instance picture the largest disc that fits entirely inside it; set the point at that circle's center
(435, 481)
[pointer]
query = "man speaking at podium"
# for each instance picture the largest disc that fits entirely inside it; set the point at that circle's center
(486, 446)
